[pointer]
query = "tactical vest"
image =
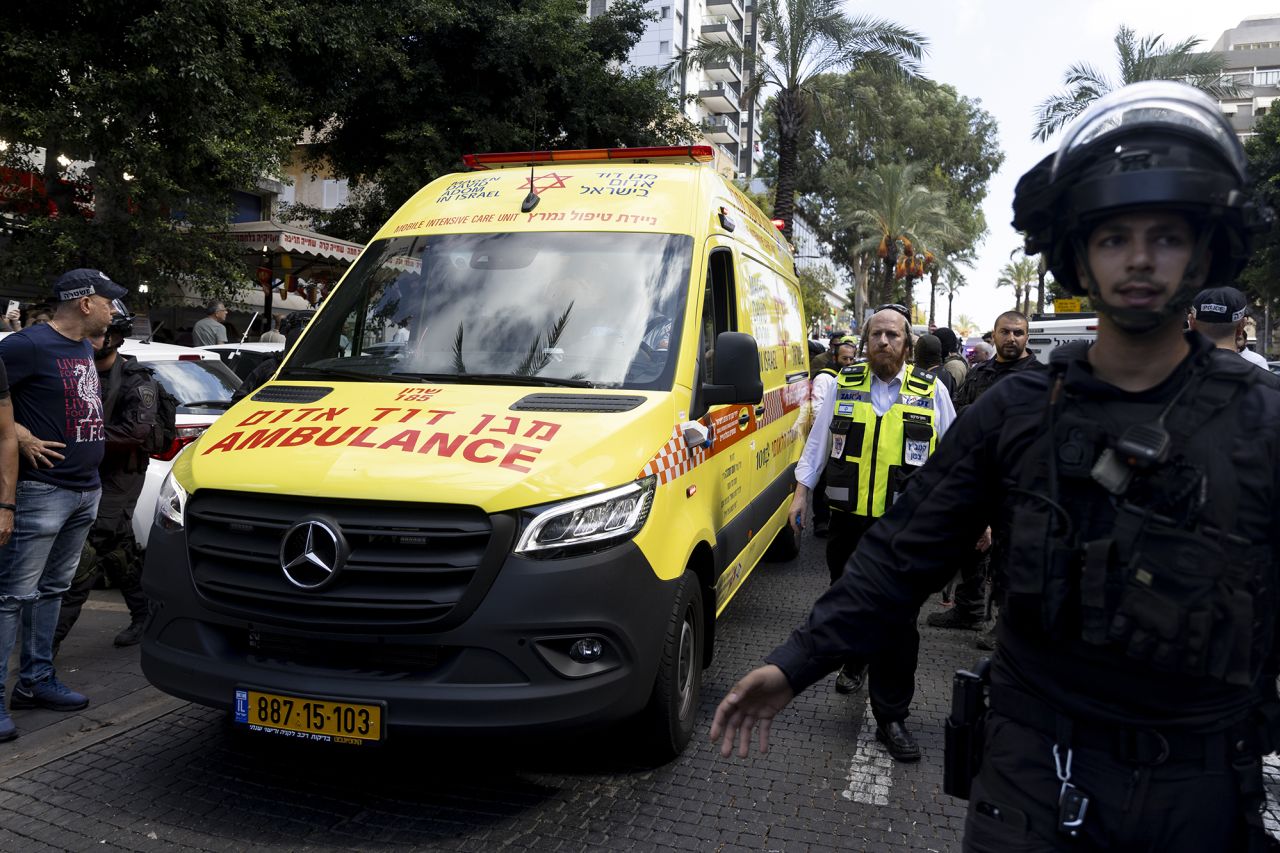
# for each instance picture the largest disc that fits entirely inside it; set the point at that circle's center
(1173, 582)
(872, 456)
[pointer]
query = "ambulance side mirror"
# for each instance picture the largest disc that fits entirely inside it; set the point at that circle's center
(735, 373)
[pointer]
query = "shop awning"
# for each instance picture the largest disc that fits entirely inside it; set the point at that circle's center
(290, 238)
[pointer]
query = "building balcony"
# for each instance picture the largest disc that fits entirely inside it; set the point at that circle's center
(719, 97)
(728, 8)
(726, 71)
(722, 30)
(722, 129)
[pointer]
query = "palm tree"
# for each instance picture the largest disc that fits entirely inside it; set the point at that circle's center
(798, 40)
(943, 266)
(952, 283)
(901, 217)
(1019, 274)
(1148, 58)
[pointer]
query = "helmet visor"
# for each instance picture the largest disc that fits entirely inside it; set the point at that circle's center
(1155, 105)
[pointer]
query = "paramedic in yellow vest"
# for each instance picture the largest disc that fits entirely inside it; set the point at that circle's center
(845, 352)
(882, 422)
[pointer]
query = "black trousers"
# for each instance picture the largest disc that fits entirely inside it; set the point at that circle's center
(971, 592)
(1178, 806)
(821, 510)
(891, 681)
(110, 550)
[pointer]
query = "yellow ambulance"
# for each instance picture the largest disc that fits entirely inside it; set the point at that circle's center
(518, 463)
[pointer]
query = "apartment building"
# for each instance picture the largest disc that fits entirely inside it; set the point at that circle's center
(713, 95)
(1252, 51)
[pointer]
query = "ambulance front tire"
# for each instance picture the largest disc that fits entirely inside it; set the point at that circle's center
(667, 723)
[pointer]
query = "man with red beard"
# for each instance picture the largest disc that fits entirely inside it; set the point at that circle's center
(883, 420)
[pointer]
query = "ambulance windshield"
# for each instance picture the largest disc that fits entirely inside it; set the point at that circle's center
(589, 309)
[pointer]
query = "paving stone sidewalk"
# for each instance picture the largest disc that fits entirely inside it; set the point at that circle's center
(165, 775)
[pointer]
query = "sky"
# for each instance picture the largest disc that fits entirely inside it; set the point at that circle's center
(1011, 56)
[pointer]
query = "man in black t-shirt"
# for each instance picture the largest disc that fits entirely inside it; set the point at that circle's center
(58, 408)
(130, 398)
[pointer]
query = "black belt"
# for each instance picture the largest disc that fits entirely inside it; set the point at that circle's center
(1131, 745)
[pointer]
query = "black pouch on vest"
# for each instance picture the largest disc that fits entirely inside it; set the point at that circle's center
(1175, 611)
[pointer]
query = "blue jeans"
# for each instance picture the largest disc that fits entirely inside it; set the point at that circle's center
(36, 567)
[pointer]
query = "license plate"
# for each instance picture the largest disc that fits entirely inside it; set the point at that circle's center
(308, 718)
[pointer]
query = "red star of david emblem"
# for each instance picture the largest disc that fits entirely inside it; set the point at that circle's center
(544, 182)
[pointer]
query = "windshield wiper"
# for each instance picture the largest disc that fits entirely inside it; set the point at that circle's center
(497, 379)
(337, 373)
(207, 404)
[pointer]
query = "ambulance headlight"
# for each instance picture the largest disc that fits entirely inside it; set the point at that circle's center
(172, 504)
(587, 524)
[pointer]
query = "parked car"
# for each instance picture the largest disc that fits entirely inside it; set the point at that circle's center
(203, 386)
(244, 358)
(1274, 366)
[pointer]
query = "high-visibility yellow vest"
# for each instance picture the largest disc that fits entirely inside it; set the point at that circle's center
(871, 456)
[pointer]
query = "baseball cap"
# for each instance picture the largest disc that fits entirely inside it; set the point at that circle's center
(1220, 305)
(86, 282)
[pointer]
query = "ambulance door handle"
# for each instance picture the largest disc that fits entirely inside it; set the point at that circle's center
(760, 411)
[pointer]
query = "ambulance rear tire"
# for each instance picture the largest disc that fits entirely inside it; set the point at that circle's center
(785, 547)
(669, 719)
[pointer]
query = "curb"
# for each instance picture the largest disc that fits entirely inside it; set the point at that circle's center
(86, 728)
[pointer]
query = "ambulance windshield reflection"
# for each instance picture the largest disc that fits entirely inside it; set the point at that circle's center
(588, 308)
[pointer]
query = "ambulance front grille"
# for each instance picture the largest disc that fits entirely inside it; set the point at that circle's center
(411, 566)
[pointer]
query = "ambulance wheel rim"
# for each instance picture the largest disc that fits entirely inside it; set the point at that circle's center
(685, 663)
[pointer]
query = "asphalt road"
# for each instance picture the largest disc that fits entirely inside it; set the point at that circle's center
(140, 771)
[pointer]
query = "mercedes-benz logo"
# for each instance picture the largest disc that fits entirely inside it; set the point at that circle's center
(312, 553)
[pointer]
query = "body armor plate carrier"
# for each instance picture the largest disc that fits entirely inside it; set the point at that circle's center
(1172, 582)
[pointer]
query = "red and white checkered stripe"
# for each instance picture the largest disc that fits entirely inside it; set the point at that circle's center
(673, 460)
(774, 408)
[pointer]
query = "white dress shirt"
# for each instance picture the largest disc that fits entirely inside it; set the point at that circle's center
(883, 396)
(821, 387)
(1250, 355)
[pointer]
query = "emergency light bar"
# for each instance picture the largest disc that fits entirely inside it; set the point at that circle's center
(696, 153)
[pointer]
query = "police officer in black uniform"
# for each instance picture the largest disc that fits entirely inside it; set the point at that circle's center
(1138, 486)
(129, 403)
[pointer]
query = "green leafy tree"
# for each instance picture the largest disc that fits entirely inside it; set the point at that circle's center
(140, 120)
(420, 90)
(1137, 59)
(815, 285)
(864, 118)
(1261, 278)
(801, 40)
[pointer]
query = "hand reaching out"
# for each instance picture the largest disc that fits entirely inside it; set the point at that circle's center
(752, 704)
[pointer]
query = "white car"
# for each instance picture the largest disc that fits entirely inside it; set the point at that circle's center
(203, 386)
(244, 358)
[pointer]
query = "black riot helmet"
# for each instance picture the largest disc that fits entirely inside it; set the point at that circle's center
(121, 324)
(1154, 145)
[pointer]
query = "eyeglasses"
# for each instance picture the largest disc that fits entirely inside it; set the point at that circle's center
(894, 306)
